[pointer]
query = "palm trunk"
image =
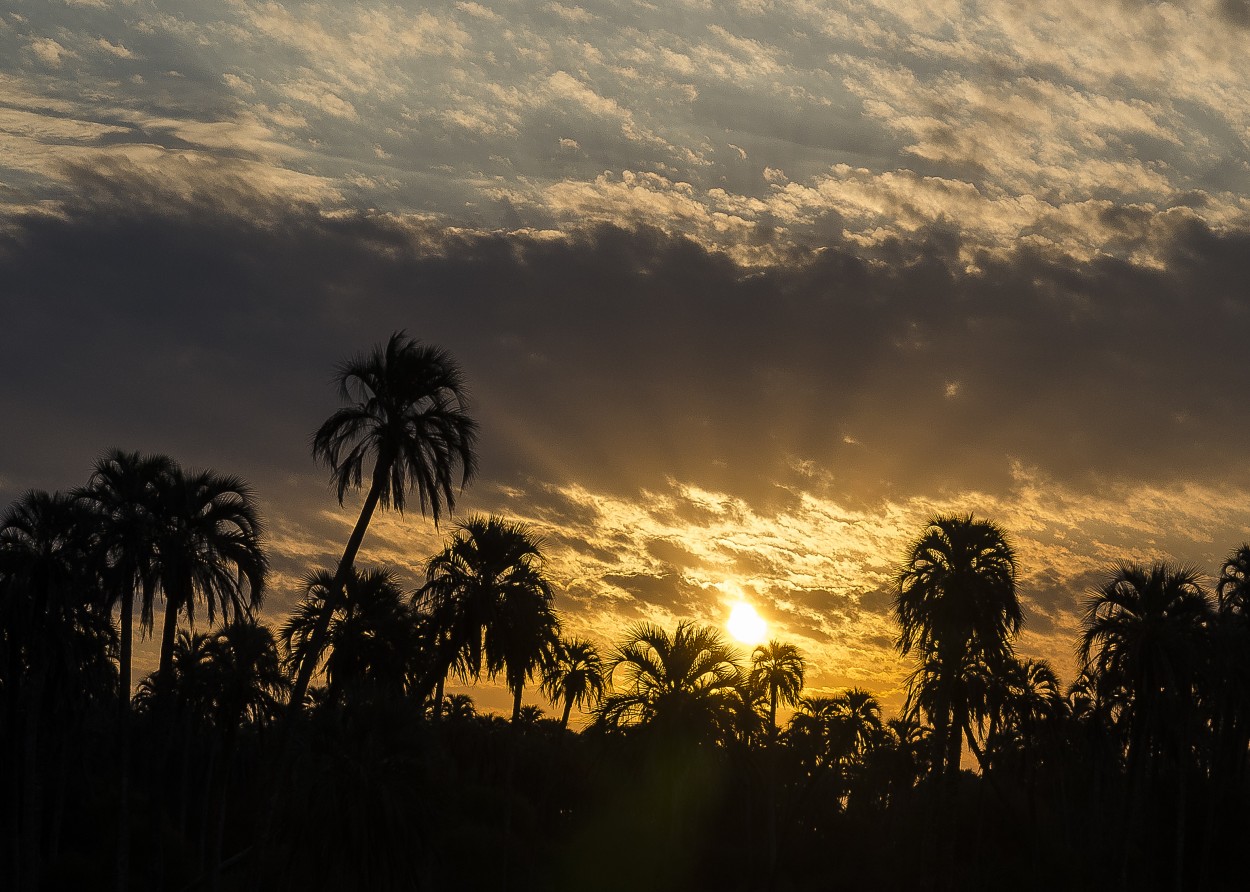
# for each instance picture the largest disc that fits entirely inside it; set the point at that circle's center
(568, 709)
(335, 595)
(125, 659)
(438, 699)
(32, 793)
(173, 603)
(219, 831)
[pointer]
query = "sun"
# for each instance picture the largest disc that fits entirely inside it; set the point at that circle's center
(746, 625)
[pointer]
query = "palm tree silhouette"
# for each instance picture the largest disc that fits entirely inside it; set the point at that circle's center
(246, 684)
(373, 642)
(209, 541)
(779, 668)
(488, 596)
(681, 684)
(1144, 634)
(54, 628)
(574, 676)
(408, 414)
(955, 602)
(122, 495)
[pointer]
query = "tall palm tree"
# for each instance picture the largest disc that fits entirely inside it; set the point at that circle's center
(779, 668)
(574, 677)
(123, 495)
(681, 684)
(488, 594)
(408, 417)
(210, 546)
(956, 604)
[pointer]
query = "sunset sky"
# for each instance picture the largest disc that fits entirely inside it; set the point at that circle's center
(744, 291)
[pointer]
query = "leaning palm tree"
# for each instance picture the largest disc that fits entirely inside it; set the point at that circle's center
(574, 677)
(779, 668)
(209, 542)
(956, 605)
(408, 422)
(490, 599)
(681, 684)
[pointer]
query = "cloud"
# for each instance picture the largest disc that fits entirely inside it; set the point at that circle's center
(682, 428)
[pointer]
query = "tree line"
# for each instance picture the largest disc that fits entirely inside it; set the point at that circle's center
(325, 753)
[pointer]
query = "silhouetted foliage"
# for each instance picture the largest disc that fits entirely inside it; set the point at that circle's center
(686, 777)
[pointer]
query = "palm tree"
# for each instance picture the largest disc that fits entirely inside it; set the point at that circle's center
(838, 729)
(492, 603)
(574, 677)
(1145, 635)
(122, 494)
(955, 602)
(681, 684)
(779, 669)
(54, 634)
(1229, 684)
(248, 685)
(408, 414)
(209, 542)
(373, 641)
(1143, 632)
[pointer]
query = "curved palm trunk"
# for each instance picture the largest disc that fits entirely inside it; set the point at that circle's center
(568, 709)
(335, 596)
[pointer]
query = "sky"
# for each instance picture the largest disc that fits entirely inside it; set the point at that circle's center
(744, 291)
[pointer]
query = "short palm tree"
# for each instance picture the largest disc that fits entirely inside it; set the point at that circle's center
(778, 668)
(574, 677)
(956, 605)
(1145, 635)
(373, 640)
(681, 684)
(1144, 632)
(488, 596)
(407, 422)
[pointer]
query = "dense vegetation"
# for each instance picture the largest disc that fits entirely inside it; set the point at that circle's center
(325, 754)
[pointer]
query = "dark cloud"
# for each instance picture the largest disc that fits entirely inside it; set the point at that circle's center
(618, 358)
